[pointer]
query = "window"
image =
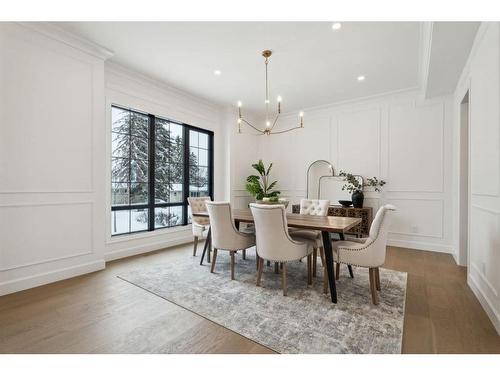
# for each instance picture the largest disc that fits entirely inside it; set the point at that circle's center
(155, 164)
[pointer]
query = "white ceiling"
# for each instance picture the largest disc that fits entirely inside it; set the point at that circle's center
(311, 64)
(450, 48)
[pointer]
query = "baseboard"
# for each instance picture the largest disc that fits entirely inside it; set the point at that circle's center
(142, 249)
(29, 282)
(421, 246)
(485, 302)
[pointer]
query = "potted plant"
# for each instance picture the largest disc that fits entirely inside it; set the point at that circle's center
(355, 187)
(260, 188)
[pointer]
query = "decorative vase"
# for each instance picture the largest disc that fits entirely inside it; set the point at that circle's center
(357, 199)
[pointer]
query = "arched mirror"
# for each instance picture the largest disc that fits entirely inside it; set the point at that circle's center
(317, 169)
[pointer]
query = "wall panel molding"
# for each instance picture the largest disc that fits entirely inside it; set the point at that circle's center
(415, 107)
(76, 254)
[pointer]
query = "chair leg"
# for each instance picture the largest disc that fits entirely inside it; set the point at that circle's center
(260, 268)
(268, 263)
(212, 267)
(309, 271)
(349, 267)
(377, 278)
(373, 288)
(276, 267)
(257, 260)
(244, 254)
(337, 271)
(283, 280)
(314, 265)
(281, 266)
(195, 246)
(232, 265)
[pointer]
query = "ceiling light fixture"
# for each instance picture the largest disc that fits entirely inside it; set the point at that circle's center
(217, 72)
(361, 78)
(336, 26)
(269, 125)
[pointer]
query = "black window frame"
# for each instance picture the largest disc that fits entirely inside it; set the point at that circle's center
(152, 205)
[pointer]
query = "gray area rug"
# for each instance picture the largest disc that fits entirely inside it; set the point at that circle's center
(305, 321)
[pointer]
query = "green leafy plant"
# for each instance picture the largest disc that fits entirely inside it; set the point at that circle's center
(258, 185)
(354, 184)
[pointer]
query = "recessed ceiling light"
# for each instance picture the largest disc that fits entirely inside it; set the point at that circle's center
(361, 78)
(336, 26)
(217, 72)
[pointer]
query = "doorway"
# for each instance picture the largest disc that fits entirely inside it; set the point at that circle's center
(464, 182)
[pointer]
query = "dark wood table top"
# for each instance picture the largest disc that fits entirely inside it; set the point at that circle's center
(334, 224)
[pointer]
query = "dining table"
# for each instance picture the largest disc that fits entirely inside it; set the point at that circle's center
(326, 224)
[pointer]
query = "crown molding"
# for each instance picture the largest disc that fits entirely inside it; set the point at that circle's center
(425, 48)
(51, 30)
(140, 78)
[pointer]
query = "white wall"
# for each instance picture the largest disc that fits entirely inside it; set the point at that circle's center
(399, 138)
(51, 152)
(129, 89)
(482, 76)
(55, 140)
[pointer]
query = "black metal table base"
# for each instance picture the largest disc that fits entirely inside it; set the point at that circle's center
(207, 244)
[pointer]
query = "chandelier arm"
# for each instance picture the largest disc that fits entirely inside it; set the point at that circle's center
(253, 127)
(275, 121)
(287, 130)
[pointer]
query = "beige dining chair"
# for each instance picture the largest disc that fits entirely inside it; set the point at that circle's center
(199, 225)
(315, 207)
(367, 252)
(225, 236)
(274, 243)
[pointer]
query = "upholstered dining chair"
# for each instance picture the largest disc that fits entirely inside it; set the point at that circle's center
(200, 225)
(225, 236)
(316, 207)
(274, 243)
(367, 252)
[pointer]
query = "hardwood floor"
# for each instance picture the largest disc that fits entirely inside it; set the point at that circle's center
(99, 313)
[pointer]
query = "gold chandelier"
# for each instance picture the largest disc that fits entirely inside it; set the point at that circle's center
(268, 130)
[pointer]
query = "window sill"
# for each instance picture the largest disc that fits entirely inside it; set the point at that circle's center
(142, 235)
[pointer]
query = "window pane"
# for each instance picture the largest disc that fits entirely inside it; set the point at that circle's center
(176, 173)
(120, 120)
(161, 217)
(176, 131)
(162, 193)
(202, 177)
(138, 170)
(120, 145)
(193, 138)
(202, 157)
(176, 217)
(139, 125)
(190, 216)
(139, 193)
(120, 170)
(203, 140)
(193, 191)
(138, 220)
(176, 193)
(139, 148)
(120, 222)
(193, 156)
(177, 152)
(119, 194)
